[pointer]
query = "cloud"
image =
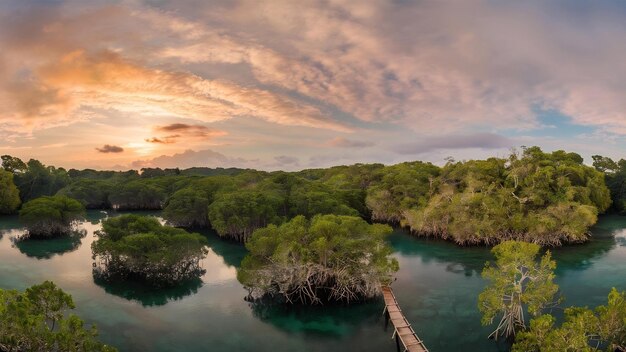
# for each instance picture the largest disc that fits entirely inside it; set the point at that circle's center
(163, 140)
(185, 131)
(429, 65)
(381, 69)
(190, 158)
(107, 148)
(190, 130)
(286, 160)
(478, 140)
(347, 143)
(63, 65)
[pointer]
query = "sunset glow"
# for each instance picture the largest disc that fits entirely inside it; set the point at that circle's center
(292, 85)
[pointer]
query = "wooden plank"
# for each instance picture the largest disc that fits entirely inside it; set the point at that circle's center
(402, 328)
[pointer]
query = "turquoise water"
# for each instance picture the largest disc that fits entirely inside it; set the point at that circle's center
(437, 287)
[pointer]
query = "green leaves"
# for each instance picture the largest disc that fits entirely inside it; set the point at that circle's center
(139, 246)
(49, 216)
(36, 320)
(515, 282)
(9, 194)
(327, 258)
(546, 198)
(582, 329)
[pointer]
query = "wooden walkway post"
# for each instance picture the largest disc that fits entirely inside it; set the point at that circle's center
(403, 333)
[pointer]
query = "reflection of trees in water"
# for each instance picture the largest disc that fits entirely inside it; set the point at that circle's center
(471, 260)
(464, 260)
(95, 216)
(232, 252)
(328, 320)
(144, 293)
(46, 248)
(582, 256)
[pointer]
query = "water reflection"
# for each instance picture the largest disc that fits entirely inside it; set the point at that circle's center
(148, 295)
(329, 321)
(46, 248)
(605, 238)
(468, 261)
(231, 252)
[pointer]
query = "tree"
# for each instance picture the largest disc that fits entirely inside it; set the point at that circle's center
(327, 258)
(37, 320)
(137, 195)
(187, 208)
(546, 198)
(132, 246)
(237, 214)
(516, 281)
(582, 330)
(402, 186)
(50, 216)
(35, 179)
(92, 193)
(13, 164)
(309, 198)
(615, 174)
(9, 194)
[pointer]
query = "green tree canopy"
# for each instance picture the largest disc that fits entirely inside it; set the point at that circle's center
(92, 193)
(583, 329)
(37, 320)
(615, 173)
(9, 194)
(50, 216)
(237, 214)
(137, 195)
(401, 187)
(546, 198)
(516, 281)
(326, 258)
(132, 246)
(35, 179)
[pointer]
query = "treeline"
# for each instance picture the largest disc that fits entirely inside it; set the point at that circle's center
(547, 198)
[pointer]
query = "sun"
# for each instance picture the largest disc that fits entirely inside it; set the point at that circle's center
(141, 148)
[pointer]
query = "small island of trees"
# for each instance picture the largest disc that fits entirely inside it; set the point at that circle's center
(139, 247)
(51, 216)
(329, 258)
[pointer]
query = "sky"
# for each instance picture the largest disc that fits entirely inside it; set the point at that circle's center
(301, 84)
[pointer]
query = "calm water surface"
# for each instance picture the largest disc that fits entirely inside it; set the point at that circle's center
(437, 287)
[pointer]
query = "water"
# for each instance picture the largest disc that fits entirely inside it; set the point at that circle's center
(437, 287)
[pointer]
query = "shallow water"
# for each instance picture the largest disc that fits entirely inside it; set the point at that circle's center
(437, 287)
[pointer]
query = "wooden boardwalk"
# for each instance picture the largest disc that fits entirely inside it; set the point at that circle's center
(403, 332)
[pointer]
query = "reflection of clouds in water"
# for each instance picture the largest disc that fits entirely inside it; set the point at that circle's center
(620, 237)
(216, 268)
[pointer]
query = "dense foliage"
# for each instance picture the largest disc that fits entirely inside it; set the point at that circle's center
(139, 247)
(9, 194)
(401, 187)
(35, 179)
(603, 328)
(326, 258)
(51, 216)
(516, 282)
(546, 198)
(615, 173)
(37, 320)
(137, 195)
(92, 193)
